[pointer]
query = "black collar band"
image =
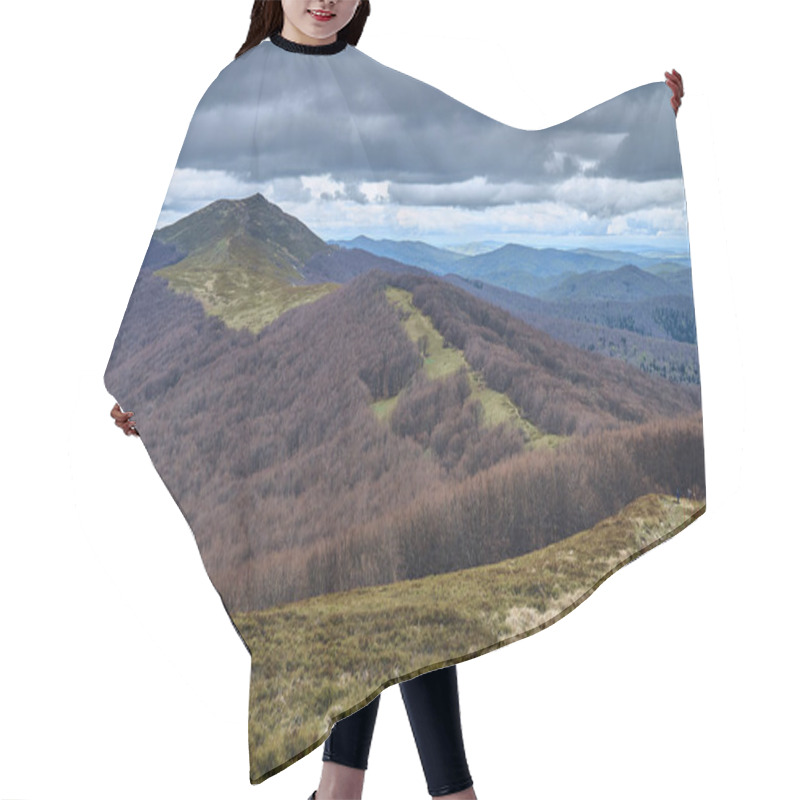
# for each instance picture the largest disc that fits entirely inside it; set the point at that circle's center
(311, 49)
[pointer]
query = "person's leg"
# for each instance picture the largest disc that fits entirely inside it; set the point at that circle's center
(433, 710)
(345, 755)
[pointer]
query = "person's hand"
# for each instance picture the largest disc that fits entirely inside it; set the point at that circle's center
(675, 82)
(123, 419)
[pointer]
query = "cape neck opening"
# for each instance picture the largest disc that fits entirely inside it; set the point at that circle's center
(310, 49)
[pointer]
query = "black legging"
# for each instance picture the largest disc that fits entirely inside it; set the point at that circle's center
(432, 705)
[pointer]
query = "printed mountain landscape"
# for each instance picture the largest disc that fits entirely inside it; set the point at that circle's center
(330, 416)
(404, 426)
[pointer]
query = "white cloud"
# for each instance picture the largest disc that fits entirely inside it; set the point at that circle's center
(609, 197)
(461, 211)
(324, 187)
(375, 191)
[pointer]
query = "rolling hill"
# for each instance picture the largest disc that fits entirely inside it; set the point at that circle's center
(380, 409)
(628, 283)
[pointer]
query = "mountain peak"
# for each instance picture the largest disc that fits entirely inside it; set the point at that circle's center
(252, 218)
(627, 282)
(251, 203)
(257, 199)
(629, 269)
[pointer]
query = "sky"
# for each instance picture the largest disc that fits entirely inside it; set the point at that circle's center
(352, 147)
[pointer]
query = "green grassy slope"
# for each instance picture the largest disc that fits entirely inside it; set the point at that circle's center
(245, 287)
(313, 660)
(442, 360)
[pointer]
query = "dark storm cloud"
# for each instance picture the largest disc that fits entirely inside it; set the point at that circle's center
(648, 149)
(273, 115)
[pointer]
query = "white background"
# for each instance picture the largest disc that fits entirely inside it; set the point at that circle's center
(120, 673)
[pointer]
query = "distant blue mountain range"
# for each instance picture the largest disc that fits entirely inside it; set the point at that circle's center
(548, 273)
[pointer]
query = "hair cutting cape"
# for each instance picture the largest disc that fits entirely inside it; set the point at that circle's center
(419, 381)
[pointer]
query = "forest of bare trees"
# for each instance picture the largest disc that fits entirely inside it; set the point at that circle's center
(656, 334)
(519, 505)
(294, 487)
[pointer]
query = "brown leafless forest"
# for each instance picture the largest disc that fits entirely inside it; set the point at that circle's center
(293, 485)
